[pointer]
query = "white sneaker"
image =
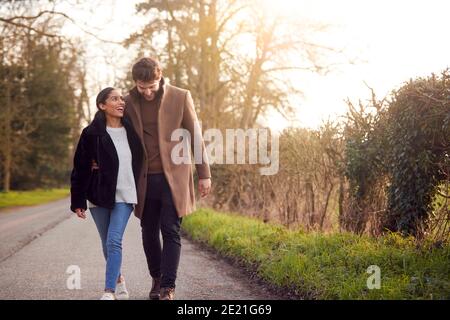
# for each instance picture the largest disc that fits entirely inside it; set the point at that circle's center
(108, 296)
(121, 291)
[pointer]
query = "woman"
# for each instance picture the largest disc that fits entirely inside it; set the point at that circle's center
(106, 167)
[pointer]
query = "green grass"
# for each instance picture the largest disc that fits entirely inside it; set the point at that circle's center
(30, 198)
(321, 266)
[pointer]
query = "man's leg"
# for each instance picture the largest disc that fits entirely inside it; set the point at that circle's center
(150, 236)
(170, 229)
(150, 224)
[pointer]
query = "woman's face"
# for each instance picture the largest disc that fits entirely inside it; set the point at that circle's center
(114, 105)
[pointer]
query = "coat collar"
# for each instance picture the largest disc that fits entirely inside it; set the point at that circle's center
(133, 101)
(98, 125)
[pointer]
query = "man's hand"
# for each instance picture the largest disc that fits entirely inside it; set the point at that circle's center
(81, 213)
(204, 187)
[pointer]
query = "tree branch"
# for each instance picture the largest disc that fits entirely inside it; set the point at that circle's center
(46, 34)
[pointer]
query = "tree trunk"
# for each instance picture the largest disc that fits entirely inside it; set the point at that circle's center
(310, 202)
(341, 203)
(7, 169)
(324, 211)
(7, 150)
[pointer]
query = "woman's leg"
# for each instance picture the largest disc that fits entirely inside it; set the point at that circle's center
(101, 218)
(117, 224)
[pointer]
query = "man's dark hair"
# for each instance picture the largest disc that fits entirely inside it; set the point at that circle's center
(146, 69)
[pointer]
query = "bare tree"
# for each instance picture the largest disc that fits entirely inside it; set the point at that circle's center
(232, 54)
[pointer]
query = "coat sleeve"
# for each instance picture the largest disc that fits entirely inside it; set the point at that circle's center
(190, 122)
(79, 179)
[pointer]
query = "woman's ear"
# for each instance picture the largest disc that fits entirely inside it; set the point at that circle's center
(102, 106)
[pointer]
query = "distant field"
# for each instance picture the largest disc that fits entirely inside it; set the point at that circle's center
(30, 198)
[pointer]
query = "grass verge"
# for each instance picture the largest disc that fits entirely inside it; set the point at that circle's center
(326, 266)
(30, 198)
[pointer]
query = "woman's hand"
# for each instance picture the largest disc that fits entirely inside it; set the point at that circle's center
(81, 213)
(94, 165)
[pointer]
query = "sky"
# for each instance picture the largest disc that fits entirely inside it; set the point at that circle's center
(394, 40)
(391, 40)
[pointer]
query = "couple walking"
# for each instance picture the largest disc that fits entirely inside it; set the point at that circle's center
(123, 163)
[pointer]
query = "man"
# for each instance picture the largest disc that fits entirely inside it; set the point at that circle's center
(165, 189)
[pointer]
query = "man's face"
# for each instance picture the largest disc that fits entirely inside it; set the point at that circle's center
(148, 89)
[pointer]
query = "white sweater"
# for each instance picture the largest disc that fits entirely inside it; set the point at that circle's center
(126, 188)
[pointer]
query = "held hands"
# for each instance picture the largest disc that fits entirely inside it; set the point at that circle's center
(94, 165)
(81, 213)
(204, 187)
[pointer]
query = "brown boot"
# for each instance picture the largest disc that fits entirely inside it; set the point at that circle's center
(156, 285)
(167, 294)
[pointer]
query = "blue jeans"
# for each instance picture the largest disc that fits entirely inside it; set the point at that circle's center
(111, 226)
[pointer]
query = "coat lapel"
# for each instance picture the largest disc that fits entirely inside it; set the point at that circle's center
(161, 107)
(134, 114)
(108, 145)
(98, 128)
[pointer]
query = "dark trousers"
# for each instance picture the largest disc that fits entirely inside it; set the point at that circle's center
(160, 215)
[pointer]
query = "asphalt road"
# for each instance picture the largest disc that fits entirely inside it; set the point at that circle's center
(43, 248)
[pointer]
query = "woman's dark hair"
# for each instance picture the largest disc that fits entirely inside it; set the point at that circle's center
(146, 69)
(102, 96)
